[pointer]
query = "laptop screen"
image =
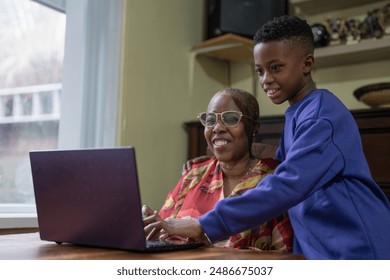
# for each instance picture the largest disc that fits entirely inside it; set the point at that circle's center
(88, 197)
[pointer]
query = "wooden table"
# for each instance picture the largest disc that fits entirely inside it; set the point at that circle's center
(30, 247)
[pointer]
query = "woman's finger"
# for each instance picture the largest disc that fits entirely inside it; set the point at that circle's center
(152, 234)
(150, 219)
(152, 225)
(146, 211)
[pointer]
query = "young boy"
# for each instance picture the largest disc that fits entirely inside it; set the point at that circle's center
(336, 209)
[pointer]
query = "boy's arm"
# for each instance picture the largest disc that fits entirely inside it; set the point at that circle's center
(313, 160)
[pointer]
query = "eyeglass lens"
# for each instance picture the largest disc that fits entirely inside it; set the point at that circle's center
(229, 118)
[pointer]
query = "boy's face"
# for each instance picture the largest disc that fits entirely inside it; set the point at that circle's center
(283, 71)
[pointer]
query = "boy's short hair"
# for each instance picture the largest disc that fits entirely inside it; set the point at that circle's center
(286, 28)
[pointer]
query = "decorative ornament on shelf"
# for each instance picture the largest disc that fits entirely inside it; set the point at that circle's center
(374, 95)
(384, 18)
(321, 35)
(353, 31)
(372, 27)
(337, 30)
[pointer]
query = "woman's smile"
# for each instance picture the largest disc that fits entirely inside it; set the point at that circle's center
(219, 143)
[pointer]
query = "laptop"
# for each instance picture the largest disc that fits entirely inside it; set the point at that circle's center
(91, 197)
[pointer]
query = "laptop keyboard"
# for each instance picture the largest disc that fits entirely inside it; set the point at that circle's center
(163, 246)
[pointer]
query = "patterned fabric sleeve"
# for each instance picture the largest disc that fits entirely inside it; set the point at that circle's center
(188, 185)
(276, 234)
(273, 235)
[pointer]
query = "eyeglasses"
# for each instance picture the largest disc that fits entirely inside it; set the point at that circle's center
(229, 118)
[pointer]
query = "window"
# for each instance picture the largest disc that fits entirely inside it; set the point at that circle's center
(88, 93)
(31, 57)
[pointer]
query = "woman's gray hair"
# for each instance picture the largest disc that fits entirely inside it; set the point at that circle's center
(245, 101)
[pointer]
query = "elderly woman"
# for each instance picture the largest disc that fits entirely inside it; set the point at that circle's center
(230, 123)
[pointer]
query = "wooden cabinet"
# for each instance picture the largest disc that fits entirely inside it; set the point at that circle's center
(196, 144)
(374, 127)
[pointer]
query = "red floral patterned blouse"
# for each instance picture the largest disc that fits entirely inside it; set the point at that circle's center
(200, 188)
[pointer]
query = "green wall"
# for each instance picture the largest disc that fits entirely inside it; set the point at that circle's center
(165, 85)
(156, 94)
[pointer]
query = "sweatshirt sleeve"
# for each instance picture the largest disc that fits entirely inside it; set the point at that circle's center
(312, 161)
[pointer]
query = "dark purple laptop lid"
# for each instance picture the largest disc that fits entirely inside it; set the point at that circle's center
(88, 197)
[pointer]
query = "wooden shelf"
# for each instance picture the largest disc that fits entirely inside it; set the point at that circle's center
(237, 48)
(312, 7)
(229, 47)
(367, 50)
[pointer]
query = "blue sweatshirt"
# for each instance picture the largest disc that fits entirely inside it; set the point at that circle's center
(336, 209)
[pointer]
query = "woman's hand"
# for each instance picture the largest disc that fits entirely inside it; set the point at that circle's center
(171, 226)
(149, 216)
